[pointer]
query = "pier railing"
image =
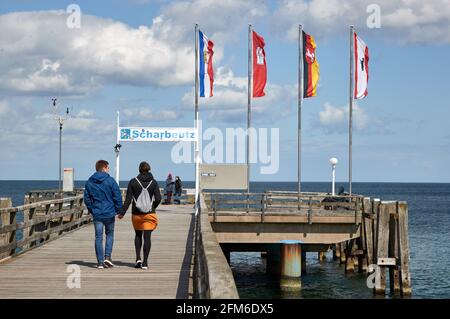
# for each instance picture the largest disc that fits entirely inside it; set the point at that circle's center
(38, 222)
(187, 195)
(308, 204)
(213, 278)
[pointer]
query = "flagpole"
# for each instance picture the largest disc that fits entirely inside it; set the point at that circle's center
(300, 99)
(249, 101)
(350, 112)
(197, 182)
(117, 149)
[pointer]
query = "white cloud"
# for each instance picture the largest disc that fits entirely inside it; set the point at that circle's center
(85, 113)
(407, 21)
(229, 102)
(220, 20)
(146, 113)
(335, 119)
(39, 55)
(4, 108)
(23, 125)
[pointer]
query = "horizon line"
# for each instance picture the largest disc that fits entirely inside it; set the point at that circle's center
(277, 181)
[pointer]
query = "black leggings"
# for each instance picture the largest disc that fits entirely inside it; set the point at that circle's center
(147, 244)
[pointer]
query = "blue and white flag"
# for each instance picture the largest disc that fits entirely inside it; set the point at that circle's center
(206, 72)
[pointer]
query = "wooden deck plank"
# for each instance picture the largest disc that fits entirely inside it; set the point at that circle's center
(42, 272)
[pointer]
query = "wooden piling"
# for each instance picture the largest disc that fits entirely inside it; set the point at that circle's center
(405, 276)
(321, 256)
(368, 231)
(342, 253)
(376, 213)
(349, 260)
(385, 210)
(394, 279)
(360, 254)
(336, 252)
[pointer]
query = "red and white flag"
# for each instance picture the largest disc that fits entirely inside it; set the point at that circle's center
(361, 63)
(259, 65)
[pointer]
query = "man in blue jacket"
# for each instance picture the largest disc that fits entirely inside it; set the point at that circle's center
(103, 200)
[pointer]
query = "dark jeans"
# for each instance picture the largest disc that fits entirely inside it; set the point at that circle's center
(108, 225)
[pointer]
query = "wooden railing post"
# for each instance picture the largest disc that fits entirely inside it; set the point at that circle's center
(263, 208)
(310, 210)
(30, 215)
(48, 221)
(215, 206)
(26, 213)
(61, 219)
(5, 220)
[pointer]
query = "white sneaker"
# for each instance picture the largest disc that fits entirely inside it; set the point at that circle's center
(108, 262)
(100, 266)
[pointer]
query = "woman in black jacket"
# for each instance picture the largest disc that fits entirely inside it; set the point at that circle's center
(143, 222)
(178, 190)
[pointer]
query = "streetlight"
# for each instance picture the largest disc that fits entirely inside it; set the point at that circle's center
(333, 162)
(60, 119)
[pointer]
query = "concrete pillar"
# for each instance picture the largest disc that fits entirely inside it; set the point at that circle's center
(291, 269)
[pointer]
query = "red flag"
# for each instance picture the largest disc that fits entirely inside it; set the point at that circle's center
(259, 65)
(361, 63)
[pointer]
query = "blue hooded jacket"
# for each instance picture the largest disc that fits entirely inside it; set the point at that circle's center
(102, 196)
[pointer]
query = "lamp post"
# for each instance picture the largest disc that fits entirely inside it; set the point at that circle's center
(333, 162)
(60, 119)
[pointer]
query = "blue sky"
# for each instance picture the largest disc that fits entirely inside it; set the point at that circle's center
(135, 56)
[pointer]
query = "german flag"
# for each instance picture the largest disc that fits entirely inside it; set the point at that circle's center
(311, 70)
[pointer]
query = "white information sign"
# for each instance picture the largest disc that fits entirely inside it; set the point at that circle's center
(68, 183)
(158, 134)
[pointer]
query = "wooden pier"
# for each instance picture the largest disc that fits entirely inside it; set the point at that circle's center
(44, 272)
(191, 252)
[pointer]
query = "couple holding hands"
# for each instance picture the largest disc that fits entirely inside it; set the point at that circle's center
(103, 200)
